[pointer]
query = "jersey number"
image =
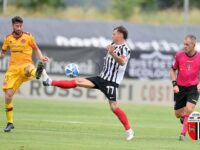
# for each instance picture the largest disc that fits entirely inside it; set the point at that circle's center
(110, 89)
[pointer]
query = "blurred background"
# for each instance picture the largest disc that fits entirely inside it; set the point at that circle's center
(79, 30)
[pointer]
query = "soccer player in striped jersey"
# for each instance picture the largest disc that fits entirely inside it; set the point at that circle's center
(109, 79)
(185, 79)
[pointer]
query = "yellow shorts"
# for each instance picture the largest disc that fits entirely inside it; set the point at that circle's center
(15, 76)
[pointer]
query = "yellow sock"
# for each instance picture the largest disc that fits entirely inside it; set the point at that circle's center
(9, 112)
(33, 72)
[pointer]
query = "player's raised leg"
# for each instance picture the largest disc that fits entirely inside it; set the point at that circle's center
(30, 70)
(9, 109)
(66, 84)
(123, 119)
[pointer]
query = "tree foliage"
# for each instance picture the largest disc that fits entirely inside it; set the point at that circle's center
(35, 4)
(124, 8)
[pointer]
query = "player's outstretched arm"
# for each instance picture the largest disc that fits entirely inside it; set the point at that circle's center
(39, 54)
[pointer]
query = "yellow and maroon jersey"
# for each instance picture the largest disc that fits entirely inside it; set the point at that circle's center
(21, 48)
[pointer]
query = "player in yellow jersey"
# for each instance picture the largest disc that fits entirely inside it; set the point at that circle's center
(21, 67)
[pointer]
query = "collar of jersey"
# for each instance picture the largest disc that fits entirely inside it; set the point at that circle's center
(192, 55)
(17, 37)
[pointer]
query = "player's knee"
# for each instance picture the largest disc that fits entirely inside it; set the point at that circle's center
(8, 95)
(188, 110)
(27, 70)
(113, 107)
(178, 114)
(78, 81)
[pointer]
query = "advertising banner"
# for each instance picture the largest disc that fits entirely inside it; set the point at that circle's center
(142, 65)
(132, 91)
(149, 65)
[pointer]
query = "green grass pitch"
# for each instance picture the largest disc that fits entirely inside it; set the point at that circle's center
(72, 125)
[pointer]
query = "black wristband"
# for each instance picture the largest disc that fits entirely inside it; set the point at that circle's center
(174, 83)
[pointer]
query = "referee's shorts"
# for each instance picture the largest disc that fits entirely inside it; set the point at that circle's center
(185, 94)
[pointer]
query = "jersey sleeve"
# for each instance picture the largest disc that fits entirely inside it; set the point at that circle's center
(32, 42)
(125, 53)
(175, 63)
(5, 44)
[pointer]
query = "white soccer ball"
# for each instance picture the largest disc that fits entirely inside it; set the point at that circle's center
(71, 70)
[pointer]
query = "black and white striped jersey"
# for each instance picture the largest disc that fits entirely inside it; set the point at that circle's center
(112, 71)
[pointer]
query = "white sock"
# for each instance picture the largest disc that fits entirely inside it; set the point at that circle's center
(130, 131)
(44, 75)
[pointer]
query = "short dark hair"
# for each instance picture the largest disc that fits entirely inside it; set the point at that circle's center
(122, 30)
(190, 36)
(17, 19)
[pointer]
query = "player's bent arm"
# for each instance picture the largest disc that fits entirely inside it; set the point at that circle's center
(173, 78)
(120, 60)
(173, 74)
(39, 54)
(3, 53)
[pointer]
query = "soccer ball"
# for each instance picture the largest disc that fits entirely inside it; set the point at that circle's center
(71, 70)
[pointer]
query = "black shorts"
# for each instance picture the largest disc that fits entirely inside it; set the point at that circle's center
(107, 87)
(186, 94)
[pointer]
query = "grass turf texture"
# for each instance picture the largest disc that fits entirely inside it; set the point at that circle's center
(61, 125)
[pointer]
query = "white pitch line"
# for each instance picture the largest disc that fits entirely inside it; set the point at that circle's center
(92, 133)
(94, 123)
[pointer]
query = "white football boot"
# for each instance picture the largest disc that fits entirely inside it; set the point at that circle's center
(129, 134)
